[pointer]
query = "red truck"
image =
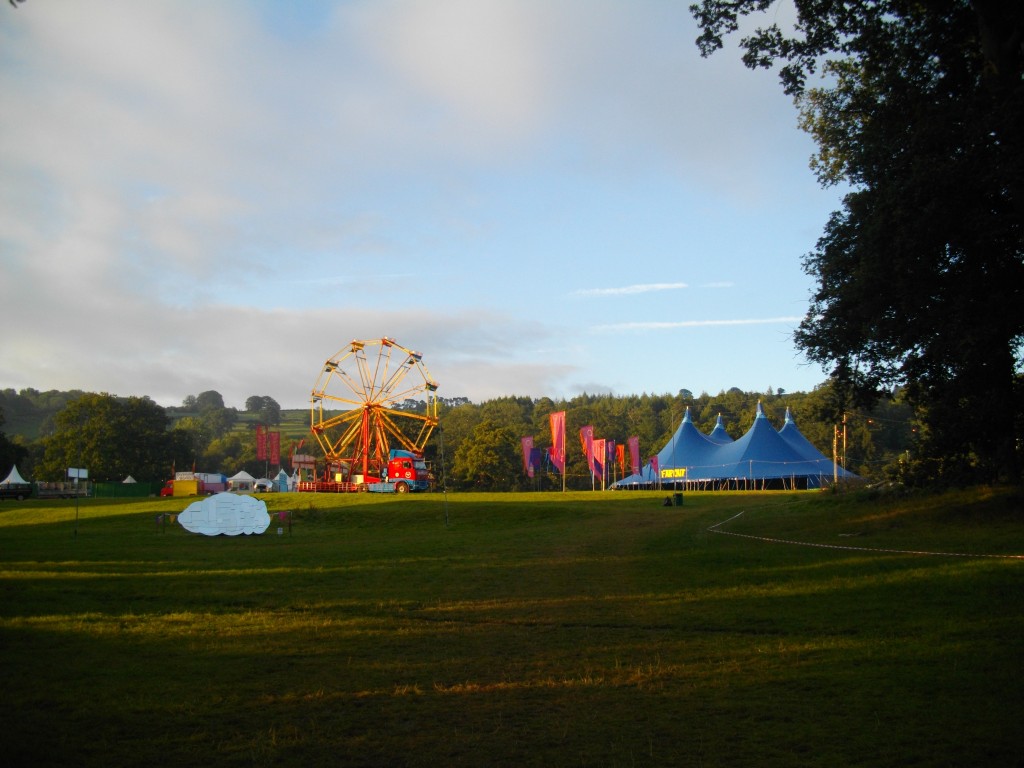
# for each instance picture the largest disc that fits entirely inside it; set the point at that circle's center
(405, 472)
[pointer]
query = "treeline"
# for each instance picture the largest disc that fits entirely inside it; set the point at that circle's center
(481, 443)
(114, 437)
(477, 445)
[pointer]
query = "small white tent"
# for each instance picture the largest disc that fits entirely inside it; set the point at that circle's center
(14, 477)
(241, 482)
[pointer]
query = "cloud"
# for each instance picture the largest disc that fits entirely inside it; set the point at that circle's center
(628, 290)
(668, 325)
(410, 168)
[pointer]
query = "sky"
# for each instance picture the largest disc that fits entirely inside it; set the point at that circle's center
(542, 197)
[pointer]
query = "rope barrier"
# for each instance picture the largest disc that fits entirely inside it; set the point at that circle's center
(714, 529)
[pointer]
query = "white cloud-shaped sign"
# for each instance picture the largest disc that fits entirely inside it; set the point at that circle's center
(225, 513)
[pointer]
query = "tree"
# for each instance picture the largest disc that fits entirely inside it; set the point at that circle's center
(215, 418)
(267, 410)
(920, 275)
(490, 459)
(110, 437)
(210, 400)
(232, 453)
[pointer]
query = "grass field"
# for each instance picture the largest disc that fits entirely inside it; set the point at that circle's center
(589, 629)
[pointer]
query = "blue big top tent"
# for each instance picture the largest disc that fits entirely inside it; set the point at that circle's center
(763, 458)
(718, 434)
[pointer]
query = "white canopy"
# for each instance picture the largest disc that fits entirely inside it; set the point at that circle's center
(243, 481)
(14, 477)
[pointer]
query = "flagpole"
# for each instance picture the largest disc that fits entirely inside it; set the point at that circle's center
(564, 467)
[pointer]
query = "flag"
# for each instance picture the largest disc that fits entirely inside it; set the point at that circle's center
(275, 447)
(599, 457)
(654, 468)
(620, 457)
(558, 440)
(634, 454)
(586, 438)
(527, 443)
(261, 442)
(536, 460)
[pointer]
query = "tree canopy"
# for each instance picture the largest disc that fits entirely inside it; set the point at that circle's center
(265, 407)
(920, 275)
(110, 437)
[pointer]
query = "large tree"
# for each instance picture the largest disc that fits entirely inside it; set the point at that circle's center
(110, 437)
(920, 275)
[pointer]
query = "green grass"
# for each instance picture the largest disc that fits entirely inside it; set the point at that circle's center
(592, 629)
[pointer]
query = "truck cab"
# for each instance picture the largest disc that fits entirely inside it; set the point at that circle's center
(406, 471)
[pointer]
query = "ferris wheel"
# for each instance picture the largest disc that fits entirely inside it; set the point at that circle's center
(370, 397)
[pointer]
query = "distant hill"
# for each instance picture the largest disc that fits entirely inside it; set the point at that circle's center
(29, 414)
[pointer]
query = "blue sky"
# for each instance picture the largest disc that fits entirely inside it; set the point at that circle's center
(542, 197)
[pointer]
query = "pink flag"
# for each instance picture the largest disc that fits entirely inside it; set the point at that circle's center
(587, 438)
(558, 440)
(599, 457)
(634, 454)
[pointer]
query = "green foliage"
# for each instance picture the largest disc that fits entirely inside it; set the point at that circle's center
(920, 274)
(110, 437)
(210, 400)
(29, 412)
(265, 408)
(878, 438)
(232, 453)
(488, 459)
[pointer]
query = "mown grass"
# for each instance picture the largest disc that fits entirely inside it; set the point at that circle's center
(517, 630)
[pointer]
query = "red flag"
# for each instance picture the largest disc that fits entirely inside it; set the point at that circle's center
(558, 440)
(620, 457)
(261, 442)
(275, 447)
